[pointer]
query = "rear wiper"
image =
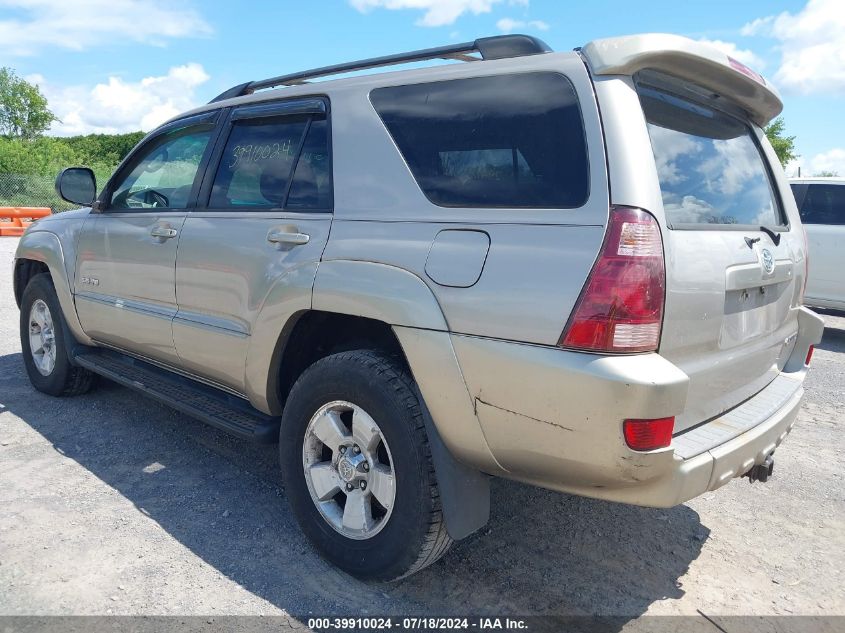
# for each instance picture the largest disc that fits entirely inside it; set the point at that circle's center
(772, 234)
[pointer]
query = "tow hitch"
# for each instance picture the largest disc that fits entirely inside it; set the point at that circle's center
(761, 472)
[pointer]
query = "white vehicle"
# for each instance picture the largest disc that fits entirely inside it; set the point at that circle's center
(821, 203)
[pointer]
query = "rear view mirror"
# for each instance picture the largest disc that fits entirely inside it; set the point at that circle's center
(77, 185)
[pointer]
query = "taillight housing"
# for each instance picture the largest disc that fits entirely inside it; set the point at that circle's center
(648, 435)
(621, 306)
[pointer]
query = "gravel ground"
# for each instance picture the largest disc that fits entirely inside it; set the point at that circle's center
(113, 504)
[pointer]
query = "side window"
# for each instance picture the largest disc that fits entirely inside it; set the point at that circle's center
(259, 157)
(514, 141)
(823, 204)
(163, 175)
(311, 187)
(256, 163)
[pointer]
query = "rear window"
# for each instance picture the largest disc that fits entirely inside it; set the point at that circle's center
(820, 204)
(709, 164)
(513, 141)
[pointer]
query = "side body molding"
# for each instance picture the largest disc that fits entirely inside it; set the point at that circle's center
(46, 247)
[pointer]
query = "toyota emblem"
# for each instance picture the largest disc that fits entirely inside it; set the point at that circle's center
(768, 261)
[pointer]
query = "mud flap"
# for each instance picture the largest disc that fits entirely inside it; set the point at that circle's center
(464, 491)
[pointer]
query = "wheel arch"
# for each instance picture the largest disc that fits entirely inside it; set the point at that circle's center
(378, 293)
(310, 335)
(26, 269)
(41, 251)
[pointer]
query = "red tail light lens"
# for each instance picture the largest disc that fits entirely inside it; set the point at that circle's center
(621, 306)
(810, 354)
(647, 435)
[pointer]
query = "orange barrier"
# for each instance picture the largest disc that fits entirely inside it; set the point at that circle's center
(21, 218)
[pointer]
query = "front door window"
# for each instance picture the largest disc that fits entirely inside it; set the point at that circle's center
(164, 174)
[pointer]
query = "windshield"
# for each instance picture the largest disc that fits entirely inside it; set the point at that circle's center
(710, 167)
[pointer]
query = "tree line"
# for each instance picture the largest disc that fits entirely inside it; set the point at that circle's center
(25, 117)
(47, 155)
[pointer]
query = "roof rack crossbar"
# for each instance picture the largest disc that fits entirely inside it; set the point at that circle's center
(498, 47)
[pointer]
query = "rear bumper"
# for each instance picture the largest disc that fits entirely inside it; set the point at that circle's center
(692, 475)
(554, 418)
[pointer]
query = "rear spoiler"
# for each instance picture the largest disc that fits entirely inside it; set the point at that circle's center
(697, 62)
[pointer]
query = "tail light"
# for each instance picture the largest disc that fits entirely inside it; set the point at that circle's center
(621, 306)
(809, 354)
(647, 435)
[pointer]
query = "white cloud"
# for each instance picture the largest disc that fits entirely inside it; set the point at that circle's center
(831, 160)
(812, 45)
(791, 168)
(508, 25)
(688, 209)
(744, 55)
(123, 106)
(81, 25)
(669, 146)
(732, 168)
(437, 12)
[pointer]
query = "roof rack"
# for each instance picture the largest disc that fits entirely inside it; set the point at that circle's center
(497, 47)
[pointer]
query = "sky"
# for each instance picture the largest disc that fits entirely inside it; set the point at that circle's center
(123, 65)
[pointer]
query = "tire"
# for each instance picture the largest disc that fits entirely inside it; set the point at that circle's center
(398, 538)
(59, 377)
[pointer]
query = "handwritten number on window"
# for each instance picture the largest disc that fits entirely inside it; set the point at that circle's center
(242, 154)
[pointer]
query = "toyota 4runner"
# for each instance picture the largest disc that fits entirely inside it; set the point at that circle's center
(581, 270)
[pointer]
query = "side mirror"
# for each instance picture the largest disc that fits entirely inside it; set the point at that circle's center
(77, 185)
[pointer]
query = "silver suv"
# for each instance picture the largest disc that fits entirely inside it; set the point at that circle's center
(581, 270)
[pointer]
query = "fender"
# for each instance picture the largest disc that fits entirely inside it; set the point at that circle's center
(377, 291)
(44, 246)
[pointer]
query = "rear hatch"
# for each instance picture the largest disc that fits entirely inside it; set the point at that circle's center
(732, 262)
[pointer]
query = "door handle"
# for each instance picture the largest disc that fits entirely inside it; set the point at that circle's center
(288, 237)
(163, 232)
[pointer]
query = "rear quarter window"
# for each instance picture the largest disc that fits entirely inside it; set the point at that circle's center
(820, 203)
(514, 141)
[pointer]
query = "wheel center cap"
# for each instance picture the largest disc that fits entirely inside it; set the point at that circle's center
(346, 470)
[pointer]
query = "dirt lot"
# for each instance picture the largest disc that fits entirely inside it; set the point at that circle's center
(110, 503)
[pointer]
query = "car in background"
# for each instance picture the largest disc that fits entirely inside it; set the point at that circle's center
(821, 204)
